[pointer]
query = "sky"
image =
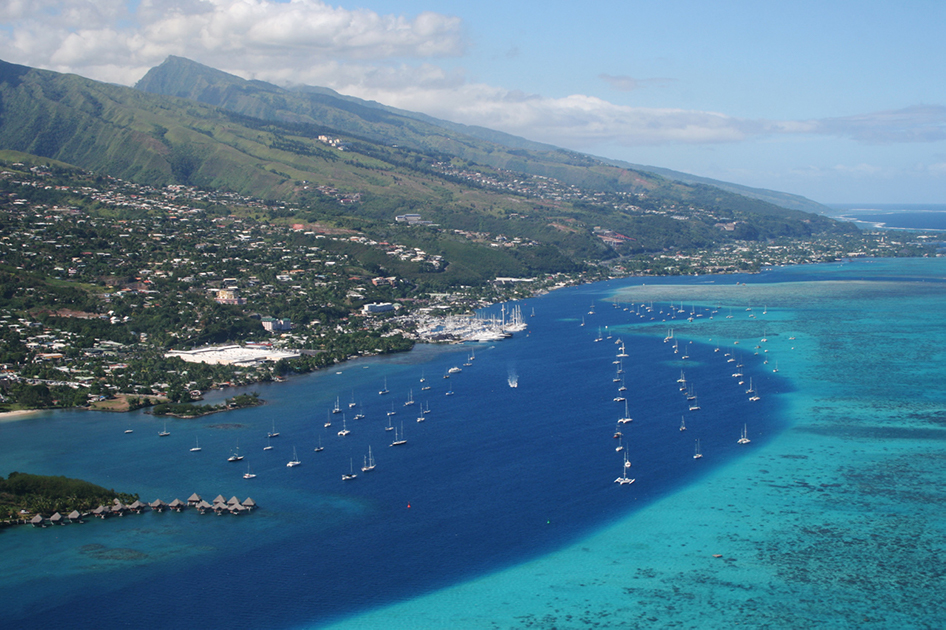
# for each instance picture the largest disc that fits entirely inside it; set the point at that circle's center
(839, 101)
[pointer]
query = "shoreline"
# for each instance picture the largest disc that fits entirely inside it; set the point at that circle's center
(19, 414)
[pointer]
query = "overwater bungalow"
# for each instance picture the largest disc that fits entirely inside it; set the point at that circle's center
(74, 517)
(38, 521)
(233, 501)
(56, 519)
(219, 499)
(158, 505)
(138, 507)
(236, 508)
(101, 511)
(194, 499)
(177, 505)
(203, 506)
(249, 504)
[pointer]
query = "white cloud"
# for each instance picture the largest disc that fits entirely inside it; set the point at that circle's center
(390, 59)
(99, 39)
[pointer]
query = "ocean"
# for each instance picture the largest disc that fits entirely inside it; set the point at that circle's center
(899, 216)
(502, 510)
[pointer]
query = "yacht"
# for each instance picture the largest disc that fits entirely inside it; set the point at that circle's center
(318, 449)
(744, 439)
(683, 424)
(399, 440)
(295, 459)
(627, 416)
(248, 474)
(351, 471)
(384, 391)
(196, 445)
(369, 462)
(274, 432)
(344, 430)
(164, 433)
(696, 452)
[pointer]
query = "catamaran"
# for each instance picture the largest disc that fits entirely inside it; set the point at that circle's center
(744, 439)
(683, 424)
(696, 452)
(627, 416)
(351, 471)
(295, 459)
(344, 430)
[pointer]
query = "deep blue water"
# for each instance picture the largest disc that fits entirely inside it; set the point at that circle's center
(911, 217)
(493, 476)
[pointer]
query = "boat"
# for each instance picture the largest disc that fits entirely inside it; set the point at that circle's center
(624, 479)
(513, 380)
(696, 452)
(410, 399)
(248, 474)
(620, 446)
(352, 403)
(295, 459)
(694, 406)
(235, 456)
(392, 412)
(627, 416)
(129, 430)
(683, 378)
(620, 399)
(755, 395)
(454, 370)
(318, 449)
(384, 390)
(599, 337)
(389, 427)
(426, 408)
(361, 413)
(164, 433)
(351, 471)
(623, 387)
(328, 419)
(683, 424)
(369, 462)
(775, 369)
(344, 430)
(449, 393)
(274, 432)
(744, 438)
(399, 440)
(196, 445)
(337, 408)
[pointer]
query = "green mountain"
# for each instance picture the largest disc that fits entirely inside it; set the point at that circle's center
(498, 205)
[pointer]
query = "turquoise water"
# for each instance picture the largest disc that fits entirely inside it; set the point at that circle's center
(501, 510)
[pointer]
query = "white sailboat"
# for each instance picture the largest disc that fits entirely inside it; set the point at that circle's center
(351, 471)
(369, 462)
(696, 452)
(389, 427)
(624, 479)
(274, 432)
(410, 399)
(775, 369)
(295, 459)
(268, 446)
(164, 433)
(344, 430)
(248, 474)
(399, 440)
(196, 445)
(627, 416)
(337, 408)
(318, 449)
(235, 456)
(744, 438)
(384, 390)
(328, 419)
(694, 405)
(683, 424)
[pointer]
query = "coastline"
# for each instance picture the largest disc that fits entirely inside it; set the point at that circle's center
(20, 414)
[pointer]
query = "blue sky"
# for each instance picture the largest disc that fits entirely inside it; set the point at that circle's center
(838, 101)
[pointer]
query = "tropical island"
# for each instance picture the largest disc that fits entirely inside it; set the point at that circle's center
(191, 410)
(135, 236)
(23, 496)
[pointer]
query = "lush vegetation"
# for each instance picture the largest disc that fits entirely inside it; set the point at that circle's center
(43, 494)
(185, 410)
